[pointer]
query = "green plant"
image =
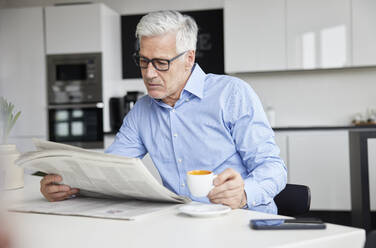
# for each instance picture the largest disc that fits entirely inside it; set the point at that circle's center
(7, 119)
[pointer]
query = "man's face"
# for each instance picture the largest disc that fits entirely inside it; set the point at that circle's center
(165, 85)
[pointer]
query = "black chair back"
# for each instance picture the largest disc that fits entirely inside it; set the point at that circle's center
(371, 240)
(293, 200)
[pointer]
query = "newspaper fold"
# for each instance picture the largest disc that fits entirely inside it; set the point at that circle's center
(97, 174)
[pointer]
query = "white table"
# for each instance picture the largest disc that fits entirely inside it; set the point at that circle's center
(163, 229)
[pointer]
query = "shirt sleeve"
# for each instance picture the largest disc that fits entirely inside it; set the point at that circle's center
(127, 141)
(254, 141)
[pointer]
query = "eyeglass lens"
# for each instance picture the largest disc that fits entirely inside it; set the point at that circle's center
(159, 64)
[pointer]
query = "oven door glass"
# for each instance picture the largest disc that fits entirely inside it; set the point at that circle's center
(69, 72)
(70, 125)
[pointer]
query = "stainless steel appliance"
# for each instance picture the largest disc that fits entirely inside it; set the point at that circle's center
(75, 107)
(74, 78)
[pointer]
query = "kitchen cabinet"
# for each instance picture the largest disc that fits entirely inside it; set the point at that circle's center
(296, 34)
(89, 28)
(320, 159)
(364, 32)
(318, 33)
(254, 35)
(372, 172)
(73, 29)
(281, 139)
(22, 70)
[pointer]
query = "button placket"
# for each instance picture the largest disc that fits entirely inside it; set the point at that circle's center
(178, 160)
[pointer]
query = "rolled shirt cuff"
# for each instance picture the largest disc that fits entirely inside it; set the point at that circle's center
(256, 195)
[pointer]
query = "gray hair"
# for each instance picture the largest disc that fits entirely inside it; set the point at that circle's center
(162, 22)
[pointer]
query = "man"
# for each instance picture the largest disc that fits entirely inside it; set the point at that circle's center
(191, 120)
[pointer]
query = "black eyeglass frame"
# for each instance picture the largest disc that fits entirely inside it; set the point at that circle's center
(136, 57)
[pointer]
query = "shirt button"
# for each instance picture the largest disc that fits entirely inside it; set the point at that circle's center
(175, 135)
(183, 185)
(187, 100)
(179, 160)
(173, 110)
(254, 203)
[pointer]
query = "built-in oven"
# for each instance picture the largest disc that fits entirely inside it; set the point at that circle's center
(77, 124)
(75, 106)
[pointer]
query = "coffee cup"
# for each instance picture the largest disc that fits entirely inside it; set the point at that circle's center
(200, 182)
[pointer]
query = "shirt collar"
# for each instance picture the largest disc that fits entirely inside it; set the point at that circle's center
(195, 83)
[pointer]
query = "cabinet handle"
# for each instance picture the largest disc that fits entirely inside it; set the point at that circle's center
(74, 106)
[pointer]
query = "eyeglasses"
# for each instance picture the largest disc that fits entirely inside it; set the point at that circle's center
(159, 64)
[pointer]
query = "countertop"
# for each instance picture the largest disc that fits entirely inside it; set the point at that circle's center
(301, 128)
(305, 128)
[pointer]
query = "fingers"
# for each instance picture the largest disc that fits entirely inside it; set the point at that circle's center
(53, 191)
(59, 196)
(232, 202)
(227, 186)
(227, 174)
(227, 180)
(225, 194)
(228, 190)
(233, 199)
(54, 188)
(51, 178)
(229, 197)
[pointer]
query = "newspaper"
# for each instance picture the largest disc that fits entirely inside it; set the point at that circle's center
(93, 207)
(103, 176)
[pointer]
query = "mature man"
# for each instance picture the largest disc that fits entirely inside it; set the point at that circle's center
(191, 120)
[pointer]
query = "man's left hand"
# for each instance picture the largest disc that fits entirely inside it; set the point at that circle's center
(228, 190)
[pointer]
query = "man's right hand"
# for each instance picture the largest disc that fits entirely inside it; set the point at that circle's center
(53, 191)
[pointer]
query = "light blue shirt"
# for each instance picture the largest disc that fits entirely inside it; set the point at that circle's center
(217, 123)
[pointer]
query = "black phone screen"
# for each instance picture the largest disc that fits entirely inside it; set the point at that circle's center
(283, 224)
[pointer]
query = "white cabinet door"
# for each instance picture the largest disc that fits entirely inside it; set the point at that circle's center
(73, 29)
(372, 172)
(318, 33)
(282, 141)
(364, 32)
(254, 35)
(321, 161)
(22, 68)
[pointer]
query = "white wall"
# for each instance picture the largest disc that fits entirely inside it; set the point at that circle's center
(322, 97)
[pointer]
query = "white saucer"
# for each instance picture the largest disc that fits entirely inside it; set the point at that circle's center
(204, 210)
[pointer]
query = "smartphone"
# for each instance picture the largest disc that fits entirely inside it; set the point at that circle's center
(287, 224)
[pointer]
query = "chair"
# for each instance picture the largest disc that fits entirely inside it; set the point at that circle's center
(371, 240)
(293, 200)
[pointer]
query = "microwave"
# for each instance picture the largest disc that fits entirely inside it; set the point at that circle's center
(74, 78)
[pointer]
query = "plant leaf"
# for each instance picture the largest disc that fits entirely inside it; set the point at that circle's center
(14, 120)
(7, 119)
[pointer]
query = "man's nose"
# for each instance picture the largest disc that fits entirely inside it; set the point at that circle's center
(150, 71)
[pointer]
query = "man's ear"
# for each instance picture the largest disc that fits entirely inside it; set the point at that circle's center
(190, 59)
